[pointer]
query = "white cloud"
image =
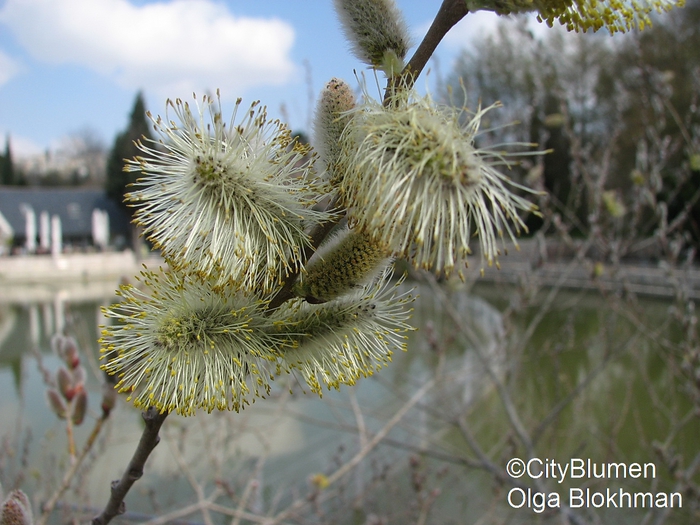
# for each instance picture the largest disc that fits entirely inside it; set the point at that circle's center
(8, 67)
(172, 48)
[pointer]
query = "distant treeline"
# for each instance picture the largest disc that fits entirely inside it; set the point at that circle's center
(621, 116)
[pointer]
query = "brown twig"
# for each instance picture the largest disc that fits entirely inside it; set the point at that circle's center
(69, 431)
(451, 12)
(70, 474)
(149, 439)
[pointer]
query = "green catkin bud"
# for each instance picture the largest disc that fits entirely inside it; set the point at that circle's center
(331, 118)
(376, 31)
(348, 261)
(16, 509)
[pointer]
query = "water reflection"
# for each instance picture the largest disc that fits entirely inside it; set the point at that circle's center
(470, 351)
(31, 315)
(471, 341)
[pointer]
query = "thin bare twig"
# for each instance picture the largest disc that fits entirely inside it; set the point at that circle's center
(149, 439)
(503, 393)
(357, 458)
(508, 404)
(202, 505)
(248, 491)
(196, 486)
(71, 472)
(451, 12)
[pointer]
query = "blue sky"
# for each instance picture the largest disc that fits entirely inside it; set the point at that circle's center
(68, 65)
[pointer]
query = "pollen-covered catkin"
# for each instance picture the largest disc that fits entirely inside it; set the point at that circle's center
(353, 336)
(377, 32)
(331, 118)
(420, 184)
(185, 346)
(583, 15)
(231, 200)
(349, 261)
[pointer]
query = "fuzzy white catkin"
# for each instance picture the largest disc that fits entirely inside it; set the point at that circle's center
(420, 184)
(232, 200)
(353, 336)
(186, 346)
(376, 31)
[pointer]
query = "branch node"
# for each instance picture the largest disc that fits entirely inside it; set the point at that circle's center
(150, 415)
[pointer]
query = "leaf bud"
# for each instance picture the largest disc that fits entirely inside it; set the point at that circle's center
(109, 398)
(66, 386)
(16, 510)
(56, 403)
(79, 375)
(79, 406)
(67, 349)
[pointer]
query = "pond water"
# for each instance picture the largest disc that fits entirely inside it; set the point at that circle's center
(510, 374)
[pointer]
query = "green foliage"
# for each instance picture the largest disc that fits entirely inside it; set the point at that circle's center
(125, 148)
(6, 168)
(9, 175)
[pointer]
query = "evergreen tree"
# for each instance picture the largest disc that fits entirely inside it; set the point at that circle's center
(118, 180)
(124, 148)
(7, 170)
